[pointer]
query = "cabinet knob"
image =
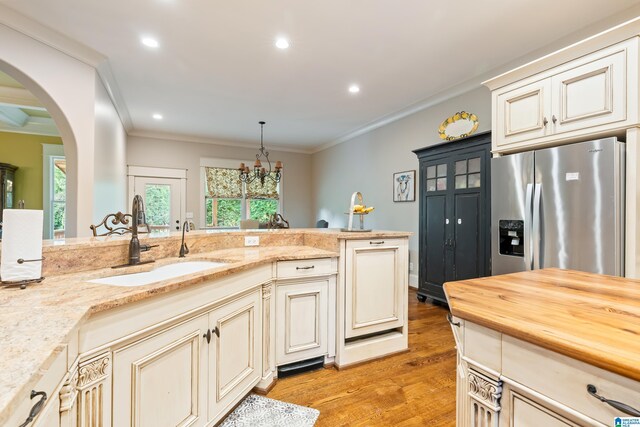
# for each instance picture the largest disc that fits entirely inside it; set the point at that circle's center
(554, 119)
(544, 121)
(216, 331)
(377, 243)
(207, 336)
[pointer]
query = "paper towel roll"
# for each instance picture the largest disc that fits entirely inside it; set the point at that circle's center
(21, 238)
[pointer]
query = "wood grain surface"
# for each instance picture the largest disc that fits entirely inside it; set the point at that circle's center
(589, 317)
(415, 388)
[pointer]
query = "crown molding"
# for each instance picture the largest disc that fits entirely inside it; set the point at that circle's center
(438, 98)
(50, 37)
(113, 90)
(166, 136)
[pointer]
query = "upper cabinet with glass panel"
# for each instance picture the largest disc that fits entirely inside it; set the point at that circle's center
(467, 173)
(437, 177)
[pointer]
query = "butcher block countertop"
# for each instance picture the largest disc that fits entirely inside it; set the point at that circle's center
(589, 317)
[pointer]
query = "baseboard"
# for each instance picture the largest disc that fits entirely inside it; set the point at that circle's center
(413, 280)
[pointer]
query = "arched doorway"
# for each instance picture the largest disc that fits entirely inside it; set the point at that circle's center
(26, 107)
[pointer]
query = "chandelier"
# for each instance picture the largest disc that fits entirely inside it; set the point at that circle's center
(260, 172)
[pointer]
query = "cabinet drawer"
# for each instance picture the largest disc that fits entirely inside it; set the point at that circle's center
(565, 380)
(301, 268)
(50, 384)
(482, 345)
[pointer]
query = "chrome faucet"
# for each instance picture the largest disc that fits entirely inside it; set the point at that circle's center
(138, 218)
(184, 250)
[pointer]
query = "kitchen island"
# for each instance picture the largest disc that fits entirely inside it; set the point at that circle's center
(185, 350)
(535, 348)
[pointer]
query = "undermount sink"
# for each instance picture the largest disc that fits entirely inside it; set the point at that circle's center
(169, 271)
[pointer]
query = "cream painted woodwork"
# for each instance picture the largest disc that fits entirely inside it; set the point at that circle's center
(51, 383)
(371, 299)
(235, 355)
(591, 96)
(524, 112)
(160, 380)
(302, 320)
(376, 286)
(302, 268)
(510, 382)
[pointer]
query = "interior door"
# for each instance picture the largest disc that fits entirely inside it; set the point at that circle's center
(162, 201)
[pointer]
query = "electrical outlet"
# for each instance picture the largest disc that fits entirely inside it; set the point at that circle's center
(410, 266)
(251, 240)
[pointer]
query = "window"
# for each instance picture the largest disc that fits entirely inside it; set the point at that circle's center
(228, 200)
(58, 195)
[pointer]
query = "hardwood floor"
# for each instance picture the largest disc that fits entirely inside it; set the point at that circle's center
(416, 388)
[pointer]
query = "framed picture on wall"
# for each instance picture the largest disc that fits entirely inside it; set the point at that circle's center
(404, 186)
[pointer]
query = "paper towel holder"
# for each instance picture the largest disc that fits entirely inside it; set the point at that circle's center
(22, 283)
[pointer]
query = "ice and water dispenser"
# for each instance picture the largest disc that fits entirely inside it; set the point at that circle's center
(511, 237)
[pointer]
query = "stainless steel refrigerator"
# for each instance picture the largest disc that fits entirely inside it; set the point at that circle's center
(559, 207)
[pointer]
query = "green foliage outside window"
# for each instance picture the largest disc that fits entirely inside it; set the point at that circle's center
(59, 196)
(262, 209)
(158, 204)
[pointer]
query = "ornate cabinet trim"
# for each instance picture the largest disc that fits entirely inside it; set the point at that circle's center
(93, 386)
(485, 393)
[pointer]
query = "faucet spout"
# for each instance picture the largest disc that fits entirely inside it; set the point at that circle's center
(184, 250)
(138, 218)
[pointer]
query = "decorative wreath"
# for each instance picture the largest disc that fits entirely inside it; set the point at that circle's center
(462, 115)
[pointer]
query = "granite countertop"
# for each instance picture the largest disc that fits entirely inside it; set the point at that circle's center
(36, 323)
(588, 317)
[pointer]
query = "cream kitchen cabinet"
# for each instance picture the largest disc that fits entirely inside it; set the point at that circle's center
(592, 95)
(234, 366)
(305, 319)
(372, 299)
(376, 286)
(301, 320)
(190, 374)
(508, 382)
(160, 380)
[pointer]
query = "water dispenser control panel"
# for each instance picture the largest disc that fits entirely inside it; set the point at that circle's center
(511, 237)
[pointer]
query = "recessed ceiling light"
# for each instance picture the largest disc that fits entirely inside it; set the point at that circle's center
(354, 88)
(282, 43)
(157, 116)
(150, 42)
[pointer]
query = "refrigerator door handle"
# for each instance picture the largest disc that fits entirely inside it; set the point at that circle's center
(528, 211)
(537, 235)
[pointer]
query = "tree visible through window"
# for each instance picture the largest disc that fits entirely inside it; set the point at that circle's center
(59, 196)
(228, 200)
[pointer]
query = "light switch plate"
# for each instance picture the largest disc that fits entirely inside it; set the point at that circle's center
(189, 215)
(251, 240)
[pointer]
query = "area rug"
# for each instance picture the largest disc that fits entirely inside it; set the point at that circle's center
(260, 411)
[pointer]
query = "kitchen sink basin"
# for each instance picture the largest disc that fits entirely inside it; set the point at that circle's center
(165, 272)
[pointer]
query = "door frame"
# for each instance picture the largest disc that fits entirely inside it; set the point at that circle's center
(134, 172)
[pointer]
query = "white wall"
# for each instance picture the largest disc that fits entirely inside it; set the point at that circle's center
(367, 164)
(110, 162)
(296, 181)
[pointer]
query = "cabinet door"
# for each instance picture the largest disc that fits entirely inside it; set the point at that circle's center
(301, 321)
(160, 380)
(523, 113)
(235, 353)
(522, 411)
(376, 286)
(590, 95)
(433, 264)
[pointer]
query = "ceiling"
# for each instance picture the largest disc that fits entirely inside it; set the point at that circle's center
(21, 112)
(217, 71)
